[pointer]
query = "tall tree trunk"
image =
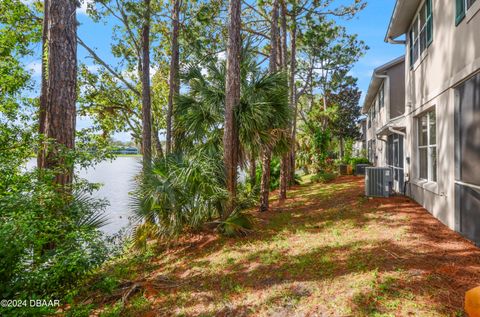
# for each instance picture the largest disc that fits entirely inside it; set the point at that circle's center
(232, 99)
(293, 96)
(174, 84)
(61, 85)
(283, 23)
(265, 182)
(285, 161)
(42, 111)
(156, 140)
(253, 172)
(267, 152)
(342, 148)
(274, 48)
(146, 100)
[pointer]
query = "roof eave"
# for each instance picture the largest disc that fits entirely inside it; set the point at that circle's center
(376, 82)
(401, 18)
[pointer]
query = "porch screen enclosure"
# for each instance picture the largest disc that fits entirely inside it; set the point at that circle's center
(395, 160)
(467, 159)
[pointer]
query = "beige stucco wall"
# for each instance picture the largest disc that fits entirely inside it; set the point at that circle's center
(453, 56)
(394, 105)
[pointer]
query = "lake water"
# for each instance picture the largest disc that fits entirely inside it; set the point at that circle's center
(117, 179)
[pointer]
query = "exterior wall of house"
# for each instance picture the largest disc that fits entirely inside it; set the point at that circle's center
(452, 57)
(394, 106)
(397, 90)
(360, 145)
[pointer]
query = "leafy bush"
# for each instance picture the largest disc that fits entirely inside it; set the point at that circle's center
(358, 160)
(274, 174)
(48, 239)
(237, 224)
(323, 177)
(178, 194)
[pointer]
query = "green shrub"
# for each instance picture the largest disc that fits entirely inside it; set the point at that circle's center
(237, 224)
(358, 160)
(48, 240)
(323, 177)
(274, 174)
(178, 194)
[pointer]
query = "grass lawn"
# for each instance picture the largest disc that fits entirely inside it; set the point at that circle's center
(328, 251)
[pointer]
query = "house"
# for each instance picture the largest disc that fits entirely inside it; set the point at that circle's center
(385, 107)
(360, 144)
(441, 123)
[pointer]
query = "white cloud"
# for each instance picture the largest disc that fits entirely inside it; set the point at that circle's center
(81, 10)
(84, 6)
(93, 68)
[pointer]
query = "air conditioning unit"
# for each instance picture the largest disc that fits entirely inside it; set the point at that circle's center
(378, 181)
(360, 169)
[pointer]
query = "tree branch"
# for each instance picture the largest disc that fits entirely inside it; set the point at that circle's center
(104, 64)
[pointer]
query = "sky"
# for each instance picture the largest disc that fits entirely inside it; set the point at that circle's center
(370, 25)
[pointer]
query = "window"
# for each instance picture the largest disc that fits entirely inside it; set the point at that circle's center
(427, 147)
(421, 33)
(461, 8)
(381, 97)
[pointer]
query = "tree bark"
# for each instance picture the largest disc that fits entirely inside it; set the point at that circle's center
(158, 143)
(232, 99)
(274, 49)
(293, 97)
(265, 182)
(61, 85)
(174, 84)
(253, 172)
(146, 98)
(267, 152)
(342, 148)
(285, 160)
(284, 34)
(42, 111)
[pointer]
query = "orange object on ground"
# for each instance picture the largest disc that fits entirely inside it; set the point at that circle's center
(472, 302)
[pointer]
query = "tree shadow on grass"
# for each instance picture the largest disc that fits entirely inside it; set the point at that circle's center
(399, 276)
(410, 259)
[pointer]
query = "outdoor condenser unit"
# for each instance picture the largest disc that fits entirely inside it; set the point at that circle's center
(378, 181)
(360, 169)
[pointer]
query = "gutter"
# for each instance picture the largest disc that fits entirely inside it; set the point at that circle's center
(392, 41)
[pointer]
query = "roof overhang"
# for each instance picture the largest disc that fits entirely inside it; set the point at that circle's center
(376, 82)
(402, 17)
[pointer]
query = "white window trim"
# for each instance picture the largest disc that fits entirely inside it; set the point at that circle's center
(472, 11)
(424, 53)
(429, 148)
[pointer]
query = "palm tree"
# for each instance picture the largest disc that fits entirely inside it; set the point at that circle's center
(261, 116)
(188, 189)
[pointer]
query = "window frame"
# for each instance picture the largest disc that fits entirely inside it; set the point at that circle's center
(420, 40)
(429, 146)
(381, 96)
(461, 8)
